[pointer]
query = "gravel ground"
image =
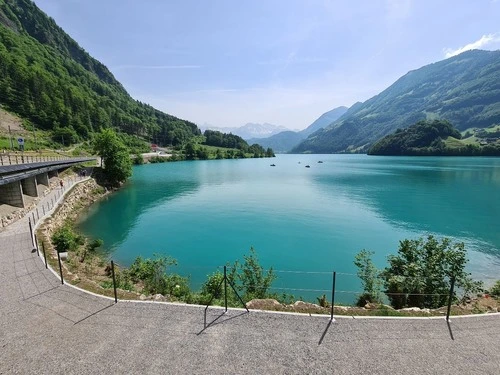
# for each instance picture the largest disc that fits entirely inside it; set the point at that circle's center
(48, 328)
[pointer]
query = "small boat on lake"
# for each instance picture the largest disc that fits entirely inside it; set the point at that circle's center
(308, 166)
(273, 165)
(320, 162)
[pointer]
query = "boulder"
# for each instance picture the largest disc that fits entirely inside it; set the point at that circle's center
(263, 304)
(159, 298)
(142, 297)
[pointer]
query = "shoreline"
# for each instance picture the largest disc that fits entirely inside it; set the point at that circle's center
(90, 276)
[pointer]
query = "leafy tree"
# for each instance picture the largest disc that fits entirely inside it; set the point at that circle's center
(213, 286)
(255, 283)
(369, 276)
(420, 274)
(115, 157)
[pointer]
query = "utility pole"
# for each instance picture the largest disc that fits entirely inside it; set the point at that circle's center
(34, 137)
(11, 143)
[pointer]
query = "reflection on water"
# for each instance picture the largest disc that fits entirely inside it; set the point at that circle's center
(457, 198)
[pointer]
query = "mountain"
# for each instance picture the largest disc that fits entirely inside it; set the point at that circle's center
(324, 120)
(47, 78)
(250, 130)
(437, 137)
(285, 141)
(464, 89)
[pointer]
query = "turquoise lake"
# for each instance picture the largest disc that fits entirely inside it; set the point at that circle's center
(304, 222)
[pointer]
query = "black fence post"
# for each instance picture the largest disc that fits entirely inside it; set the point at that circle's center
(114, 280)
(60, 267)
(31, 232)
(225, 287)
(44, 255)
(37, 214)
(33, 214)
(333, 294)
(450, 298)
(43, 209)
(36, 246)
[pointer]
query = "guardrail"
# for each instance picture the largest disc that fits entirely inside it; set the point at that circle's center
(21, 158)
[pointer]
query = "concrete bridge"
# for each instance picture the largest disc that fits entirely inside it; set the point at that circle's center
(19, 180)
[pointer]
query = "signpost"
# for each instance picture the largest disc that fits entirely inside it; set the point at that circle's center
(20, 141)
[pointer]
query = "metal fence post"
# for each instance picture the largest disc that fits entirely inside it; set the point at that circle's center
(33, 214)
(36, 246)
(225, 287)
(333, 295)
(31, 231)
(43, 209)
(44, 255)
(114, 280)
(450, 298)
(60, 266)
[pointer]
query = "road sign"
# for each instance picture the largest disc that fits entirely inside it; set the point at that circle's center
(20, 141)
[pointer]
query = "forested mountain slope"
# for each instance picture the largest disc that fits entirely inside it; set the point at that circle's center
(464, 90)
(46, 77)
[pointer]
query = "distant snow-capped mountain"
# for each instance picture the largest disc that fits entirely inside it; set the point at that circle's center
(249, 130)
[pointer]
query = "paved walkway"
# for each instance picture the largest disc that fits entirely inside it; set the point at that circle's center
(49, 328)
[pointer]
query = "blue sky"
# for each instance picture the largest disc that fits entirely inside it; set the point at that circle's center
(227, 62)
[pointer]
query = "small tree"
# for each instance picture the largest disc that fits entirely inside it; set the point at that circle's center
(115, 157)
(254, 281)
(369, 276)
(420, 274)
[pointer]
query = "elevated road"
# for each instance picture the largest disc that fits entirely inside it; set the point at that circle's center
(12, 173)
(20, 180)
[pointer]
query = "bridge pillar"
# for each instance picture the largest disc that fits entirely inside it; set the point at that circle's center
(54, 173)
(29, 186)
(12, 194)
(43, 179)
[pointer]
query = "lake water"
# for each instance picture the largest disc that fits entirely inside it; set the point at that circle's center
(305, 222)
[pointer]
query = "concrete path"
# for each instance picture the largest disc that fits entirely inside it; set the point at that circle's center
(49, 328)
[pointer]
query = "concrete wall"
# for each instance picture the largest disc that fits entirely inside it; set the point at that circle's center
(43, 179)
(29, 186)
(54, 173)
(12, 194)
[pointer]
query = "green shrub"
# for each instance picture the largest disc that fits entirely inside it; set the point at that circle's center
(65, 239)
(495, 290)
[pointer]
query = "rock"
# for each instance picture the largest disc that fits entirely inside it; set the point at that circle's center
(372, 306)
(387, 307)
(341, 308)
(159, 298)
(142, 297)
(305, 306)
(262, 304)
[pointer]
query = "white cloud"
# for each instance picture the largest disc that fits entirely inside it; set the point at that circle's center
(484, 41)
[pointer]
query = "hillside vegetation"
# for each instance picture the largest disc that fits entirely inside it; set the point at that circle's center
(436, 137)
(47, 78)
(464, 89)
